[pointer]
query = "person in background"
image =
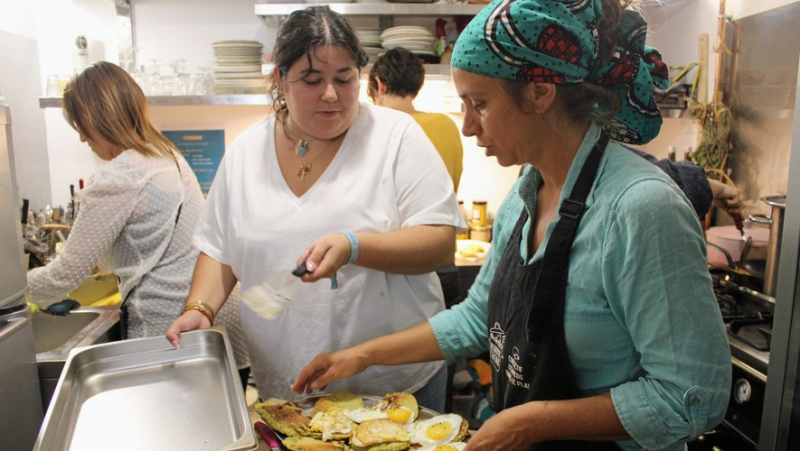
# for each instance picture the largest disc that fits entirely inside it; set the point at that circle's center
(353, 190)
(394, 81)
(701, 190)
(595, 302)
(137, 213)
(726, 197)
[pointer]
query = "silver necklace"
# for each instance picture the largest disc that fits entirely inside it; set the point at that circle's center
(301, 148)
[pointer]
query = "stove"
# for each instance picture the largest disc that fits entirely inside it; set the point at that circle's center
(747, 314)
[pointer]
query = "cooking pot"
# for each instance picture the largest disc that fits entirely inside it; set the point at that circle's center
(727, 239)
(775, 222)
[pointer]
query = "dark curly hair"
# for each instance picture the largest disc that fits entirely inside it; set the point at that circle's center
(400, 70)
(301, 33)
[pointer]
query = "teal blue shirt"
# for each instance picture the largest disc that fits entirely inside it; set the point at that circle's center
(641, 319)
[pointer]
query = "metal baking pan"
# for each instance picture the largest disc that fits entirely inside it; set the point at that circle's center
(144, 394)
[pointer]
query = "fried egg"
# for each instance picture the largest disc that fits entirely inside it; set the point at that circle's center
(377, 432)
(401, 414)
(400, 407)
(438, 430)
(455, 446)
(334, 425)
(363, 414)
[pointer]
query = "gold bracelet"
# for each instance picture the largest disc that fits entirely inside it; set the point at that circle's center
(203, 308)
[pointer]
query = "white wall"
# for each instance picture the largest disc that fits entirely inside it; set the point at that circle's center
(19, 84)
(185, 29)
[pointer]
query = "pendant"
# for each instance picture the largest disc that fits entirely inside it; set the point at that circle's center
(301, 149)
(305, 168)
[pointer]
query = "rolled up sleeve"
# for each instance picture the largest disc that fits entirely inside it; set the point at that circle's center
(662, 293)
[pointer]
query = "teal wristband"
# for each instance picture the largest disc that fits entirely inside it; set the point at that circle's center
(354, 247)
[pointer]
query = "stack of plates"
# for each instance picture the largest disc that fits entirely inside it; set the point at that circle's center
(371, 40)
(237, 68)
(417, 39)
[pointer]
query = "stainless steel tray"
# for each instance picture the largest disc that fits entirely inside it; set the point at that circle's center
(144, 394)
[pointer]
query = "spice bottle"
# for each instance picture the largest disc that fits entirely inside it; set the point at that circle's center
(464, 234)
(478, 213)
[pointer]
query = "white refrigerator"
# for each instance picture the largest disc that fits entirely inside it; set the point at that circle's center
(20, 398)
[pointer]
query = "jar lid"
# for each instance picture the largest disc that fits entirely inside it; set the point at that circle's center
(479, 202)
(480, 228)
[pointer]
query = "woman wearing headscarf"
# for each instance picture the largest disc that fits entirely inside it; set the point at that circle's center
(595, 302)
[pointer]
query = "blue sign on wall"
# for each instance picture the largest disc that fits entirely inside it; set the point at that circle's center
(203, 150)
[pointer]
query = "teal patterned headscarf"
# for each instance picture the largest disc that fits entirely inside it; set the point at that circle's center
(551, 41)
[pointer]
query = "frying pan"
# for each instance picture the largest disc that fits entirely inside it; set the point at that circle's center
(749, 273)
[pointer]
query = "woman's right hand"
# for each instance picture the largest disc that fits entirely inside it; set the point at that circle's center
(189, 320)
(326, 368)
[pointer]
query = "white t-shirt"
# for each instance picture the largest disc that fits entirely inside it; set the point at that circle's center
(385, 176)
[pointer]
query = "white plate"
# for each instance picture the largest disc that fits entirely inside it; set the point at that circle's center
(416, 31)
(329, 1)
(224, 44)
(409, 40)
(247, 82)
(413, 48)
(250, 68)
(462, 244)
(253, 51)
(406, 28)
(237, 61)
(239, 75)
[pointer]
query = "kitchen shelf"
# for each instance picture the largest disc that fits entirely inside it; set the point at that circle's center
(240, 99)
(432, 71)
(374, 9)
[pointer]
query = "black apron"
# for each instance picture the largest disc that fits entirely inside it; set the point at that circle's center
(527, 347)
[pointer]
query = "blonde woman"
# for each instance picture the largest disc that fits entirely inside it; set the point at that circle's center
(138, 212)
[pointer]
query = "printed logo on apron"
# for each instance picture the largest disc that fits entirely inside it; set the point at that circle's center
(515, 373)
(497, 341)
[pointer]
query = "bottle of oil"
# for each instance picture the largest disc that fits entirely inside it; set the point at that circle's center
(464, 234)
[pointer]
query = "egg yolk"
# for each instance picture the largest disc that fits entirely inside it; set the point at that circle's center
(445, 448)
(438, 431)
(399, 415)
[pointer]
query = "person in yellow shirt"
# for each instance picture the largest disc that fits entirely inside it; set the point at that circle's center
(394, 82)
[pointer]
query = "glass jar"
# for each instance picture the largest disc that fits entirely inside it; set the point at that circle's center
(481, 233)
(478, 213)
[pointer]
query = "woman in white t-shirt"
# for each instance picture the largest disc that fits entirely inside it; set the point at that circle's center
(356, 191)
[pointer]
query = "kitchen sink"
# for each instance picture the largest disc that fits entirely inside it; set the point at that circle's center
(55, 336)
(95, 288)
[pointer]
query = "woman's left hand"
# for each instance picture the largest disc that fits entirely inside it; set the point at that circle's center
(508, 430)
(325, 257)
